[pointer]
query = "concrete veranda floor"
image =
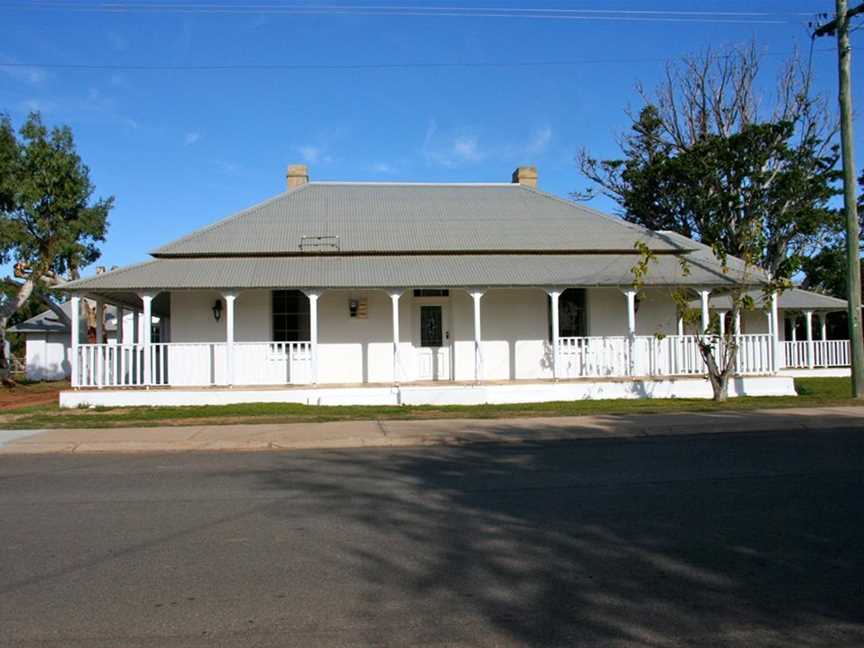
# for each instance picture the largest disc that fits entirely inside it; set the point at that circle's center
(396, 433)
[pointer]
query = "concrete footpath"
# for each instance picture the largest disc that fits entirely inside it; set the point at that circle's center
(398, 433)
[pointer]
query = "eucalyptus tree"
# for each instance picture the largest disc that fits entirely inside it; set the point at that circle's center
(50, 224)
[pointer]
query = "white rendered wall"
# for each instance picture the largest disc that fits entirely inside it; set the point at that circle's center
(515, 328)
(47, 356)
(351, 350)
(607, 312)
(192, 317)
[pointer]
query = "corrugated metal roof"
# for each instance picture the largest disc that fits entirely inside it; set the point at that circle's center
(48, 322)
(393, 218)
(705, 254)
(400, 271)
(791, 299)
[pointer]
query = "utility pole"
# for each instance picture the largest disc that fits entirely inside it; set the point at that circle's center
(840, 26)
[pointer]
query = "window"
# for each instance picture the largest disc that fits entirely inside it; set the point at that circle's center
(290, 316)
(431, 292)
(572, 315)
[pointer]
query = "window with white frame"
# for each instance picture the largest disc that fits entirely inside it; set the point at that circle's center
(572, 314)
(290, 316)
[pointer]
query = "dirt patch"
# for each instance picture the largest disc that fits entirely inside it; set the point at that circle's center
(27, 394)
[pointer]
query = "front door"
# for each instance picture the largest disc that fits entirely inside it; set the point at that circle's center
(434, 348)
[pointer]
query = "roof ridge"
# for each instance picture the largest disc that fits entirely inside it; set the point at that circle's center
(609, 217)
(195, 233)
(410, 183)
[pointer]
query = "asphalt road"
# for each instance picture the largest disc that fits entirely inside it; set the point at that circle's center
(712, 540)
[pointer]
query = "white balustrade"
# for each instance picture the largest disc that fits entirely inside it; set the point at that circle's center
(644, 355)
(273, 363)
(193, 364)
(110, 365)
(290, 363)
(826, 353)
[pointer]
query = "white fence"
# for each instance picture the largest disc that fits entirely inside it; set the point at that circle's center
(675, 355)
(826, 353)
(193, 364)
(290, 363)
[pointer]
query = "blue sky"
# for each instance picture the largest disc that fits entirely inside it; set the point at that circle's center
(180, 149)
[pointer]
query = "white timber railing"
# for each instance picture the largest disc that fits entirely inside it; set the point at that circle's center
(674, 355)
(272, 363)
(119, 365)
(205, 364)
(193, 364)
(826, 353)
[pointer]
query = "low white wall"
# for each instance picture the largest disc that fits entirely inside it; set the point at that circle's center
(433, 395)
(829, 372)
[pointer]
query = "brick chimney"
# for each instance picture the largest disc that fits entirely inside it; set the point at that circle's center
(526, 175)
(297, 175)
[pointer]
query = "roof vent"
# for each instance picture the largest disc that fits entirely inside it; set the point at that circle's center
(319, 244)
(297, 176)
(526, 175)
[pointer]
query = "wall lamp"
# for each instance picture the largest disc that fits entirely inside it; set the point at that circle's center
(217, 310)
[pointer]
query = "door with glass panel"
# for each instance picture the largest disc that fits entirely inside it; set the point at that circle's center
(433, 337)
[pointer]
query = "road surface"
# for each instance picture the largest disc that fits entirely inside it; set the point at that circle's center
(704, 540)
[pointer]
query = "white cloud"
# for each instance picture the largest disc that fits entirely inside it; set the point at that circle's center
(385, 167)
(539, 141)
(310, 154)
(313, 154)
(451, 150)
(36, 105)
(26, 73)
(191, 138)
(466, 147)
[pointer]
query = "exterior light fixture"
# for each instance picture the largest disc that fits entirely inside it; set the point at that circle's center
(217, 310)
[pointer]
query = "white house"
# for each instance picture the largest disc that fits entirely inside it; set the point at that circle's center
(48, 345)
(340, 292)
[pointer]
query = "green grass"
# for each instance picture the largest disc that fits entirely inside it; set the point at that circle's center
(825, 388)
(813, 392)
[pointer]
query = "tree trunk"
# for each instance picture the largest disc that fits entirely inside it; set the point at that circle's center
(8, 309)
(720, 386)
(5, 361)
(718, 378)
(57, 309)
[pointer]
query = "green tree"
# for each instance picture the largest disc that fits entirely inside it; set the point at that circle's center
(704, 159)
(50, 225)
(826, 270)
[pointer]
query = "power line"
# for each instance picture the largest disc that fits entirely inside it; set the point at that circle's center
(341, 66)
(640, 15)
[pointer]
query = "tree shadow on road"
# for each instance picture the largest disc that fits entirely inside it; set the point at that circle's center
(661, 542)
